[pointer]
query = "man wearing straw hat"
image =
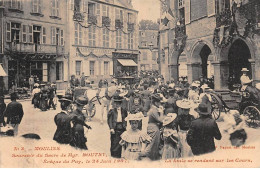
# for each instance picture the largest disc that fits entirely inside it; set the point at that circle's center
(202, 132)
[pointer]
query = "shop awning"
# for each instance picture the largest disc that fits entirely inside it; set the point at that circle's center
(127, 62)
(2, 72)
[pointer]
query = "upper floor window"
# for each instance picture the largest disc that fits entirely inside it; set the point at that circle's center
(144, 56)
(91, 9)
(105, 38)
(78, 34)
(130, 18)
(92, 36)
(130, 41)
(15, 4)
(55, 8)
(180, 3)
(13, 32)
(119, 14)
(36, 6)
(118, 39)
(57, 36)
(154, 57)
(198, 9)
(221, 5)
(105, 10)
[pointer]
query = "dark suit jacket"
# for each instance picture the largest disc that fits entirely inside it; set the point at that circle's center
(201, 135)
(112, 118)
(14, 112)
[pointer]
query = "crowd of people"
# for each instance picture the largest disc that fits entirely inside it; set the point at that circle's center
(150, 119)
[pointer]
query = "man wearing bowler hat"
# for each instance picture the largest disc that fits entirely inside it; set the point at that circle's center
(202, 132)
(117, 125)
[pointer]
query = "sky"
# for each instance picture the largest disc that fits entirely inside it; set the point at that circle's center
(148, 9)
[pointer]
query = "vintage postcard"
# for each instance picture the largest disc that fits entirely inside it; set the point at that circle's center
(129, 83)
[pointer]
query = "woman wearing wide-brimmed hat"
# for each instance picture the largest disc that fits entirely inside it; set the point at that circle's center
(171, 148)
(184, 120)
(202, 132)
(244, 78)
(79, 140)
(155, 118)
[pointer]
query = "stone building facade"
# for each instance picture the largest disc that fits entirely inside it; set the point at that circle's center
(220, 37)
(102, 34)
(34, 41)
(148, 48)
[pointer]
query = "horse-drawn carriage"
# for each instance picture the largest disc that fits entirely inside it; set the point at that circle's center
(246, 101)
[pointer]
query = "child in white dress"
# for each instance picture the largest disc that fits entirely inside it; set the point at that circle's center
(133, 140)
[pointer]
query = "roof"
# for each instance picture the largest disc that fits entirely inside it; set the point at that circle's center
(127, 62)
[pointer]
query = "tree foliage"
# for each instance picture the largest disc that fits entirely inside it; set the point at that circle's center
(148, 25)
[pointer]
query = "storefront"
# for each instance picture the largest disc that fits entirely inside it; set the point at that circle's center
(125, 66)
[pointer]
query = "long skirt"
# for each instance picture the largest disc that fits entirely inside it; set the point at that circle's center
(152, 150)
(170, 152)
(116, 148)
(185, 148)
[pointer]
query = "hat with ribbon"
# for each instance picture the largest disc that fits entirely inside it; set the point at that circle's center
(135, 117)
(67, 98)
(184, 104)
(169, 118)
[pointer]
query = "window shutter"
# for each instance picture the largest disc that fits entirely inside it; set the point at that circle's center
(24, 33)
(58, 8)
(43, 35)
(87, 68)
(61, 38)
(30, 34)
(65, 70)
(72, 5)
(85, 5)
(102, 67)
(111, 67)
(211, 7)
(40, 6)
(8, 32)
(187, 11)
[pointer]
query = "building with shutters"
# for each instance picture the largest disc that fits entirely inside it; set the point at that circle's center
(33, 41)
(148, 48)
(103, 38)
(218, 37)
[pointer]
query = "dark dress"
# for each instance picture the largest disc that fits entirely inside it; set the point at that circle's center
(2, 109)
(201, 135)
(14, 113)
(63, 132)
(78, 138)
(119, 128)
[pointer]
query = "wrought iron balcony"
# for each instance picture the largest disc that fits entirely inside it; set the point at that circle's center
(78, 16)
(118, 24)
(92, 19)
(106, 21)
(130, 26)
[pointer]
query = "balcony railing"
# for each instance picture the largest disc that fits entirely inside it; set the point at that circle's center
(130, 26)
(106, 21)
(35, 48)
(78, 16)
(92, 19)
(118, 24)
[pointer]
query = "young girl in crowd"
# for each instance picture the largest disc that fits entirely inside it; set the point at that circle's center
(133, 140)
(171, 148)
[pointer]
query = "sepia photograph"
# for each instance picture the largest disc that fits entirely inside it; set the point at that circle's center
(129, 83)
